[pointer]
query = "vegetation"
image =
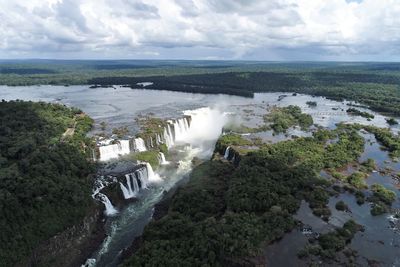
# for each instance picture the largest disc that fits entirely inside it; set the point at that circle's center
(382, 199)
(382, 194)
(331, 243)
(371, 84)
(385, 137)
(356, 112)
(231, 140)
(311, 103)
(43, 174)
(150, 127)
(283, 118)
(392, 121)
(368, 166)
(378, 209)
(340, 205)
(389, 140)
(224, 214)
(150, 156)
(357, 179)
(120, 132)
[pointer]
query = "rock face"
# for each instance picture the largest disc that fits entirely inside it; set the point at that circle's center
(71, 247)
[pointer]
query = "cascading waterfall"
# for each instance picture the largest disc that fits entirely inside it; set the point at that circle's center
(151, 142)
(226, 155)
(108, 152)
(168, 136)
(151, 176)
(99, 184)
(143, 177)
(196, 136)
(176, 130)
(110, 210)
(133, 186)
(158, 139)
(181, 127)
(135, 181)
(140, 145)
(161, 159)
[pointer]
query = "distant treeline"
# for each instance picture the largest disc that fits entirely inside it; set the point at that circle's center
(379, 91)
(25, 71)
(372, 84)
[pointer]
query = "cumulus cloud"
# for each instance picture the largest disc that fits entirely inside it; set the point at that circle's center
(228, 29)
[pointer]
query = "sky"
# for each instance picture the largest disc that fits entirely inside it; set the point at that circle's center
(276, 30)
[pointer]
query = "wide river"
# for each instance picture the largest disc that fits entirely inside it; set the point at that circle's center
(120, 106)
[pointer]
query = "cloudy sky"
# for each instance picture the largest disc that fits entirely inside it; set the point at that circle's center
(201, 29)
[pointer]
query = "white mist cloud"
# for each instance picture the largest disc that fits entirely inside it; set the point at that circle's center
(230, 29)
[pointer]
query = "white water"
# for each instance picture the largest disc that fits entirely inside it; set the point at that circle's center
(181, 127)
(168, 137)
(161, 159)
(145, 175)
(226, 155)
(151, 175)
(128, 191)
(198, 140)
(205, 128)
(140, 145)
(114, 151)
(110, 210)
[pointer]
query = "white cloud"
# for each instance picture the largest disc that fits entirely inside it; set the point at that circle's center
(199, 28)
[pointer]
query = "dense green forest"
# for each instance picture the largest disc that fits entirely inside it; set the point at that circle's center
(372, 84)
(44, 186)
(226, 215)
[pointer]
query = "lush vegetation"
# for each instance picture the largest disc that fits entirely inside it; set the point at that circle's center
(389, 140)
(382, 199)
(43, 174)
(151, 156)
(330, 243)
(282, 118)
(225, 215)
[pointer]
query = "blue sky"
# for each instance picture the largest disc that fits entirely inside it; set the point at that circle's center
(353, 30)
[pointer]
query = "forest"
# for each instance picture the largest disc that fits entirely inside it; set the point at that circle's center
(44, 183)
(226, 215)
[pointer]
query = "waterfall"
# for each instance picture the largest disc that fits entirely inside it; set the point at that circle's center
(114, 151)
(125, 191)
(140, 145)
(169, 140)
(110, 210)
(143, 177)
(170, 135)
(128, 191)
(181, 127)
(151, 176)
(226, 155)
(161, 158)
(151, 142)
(158, 139)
